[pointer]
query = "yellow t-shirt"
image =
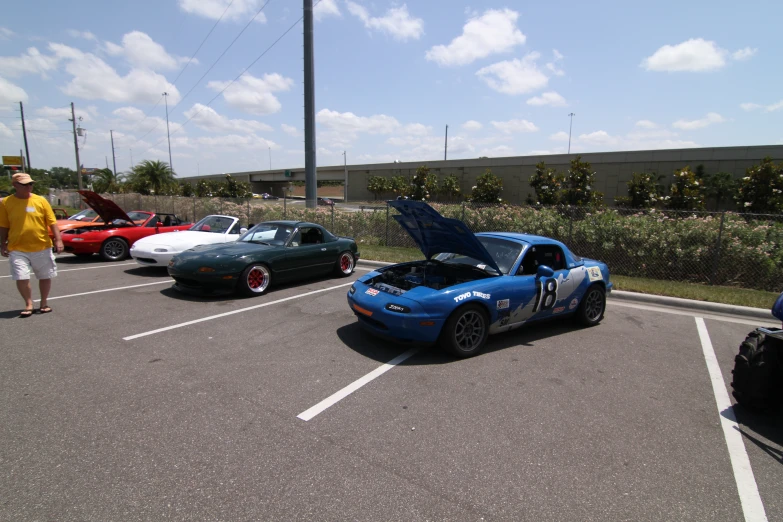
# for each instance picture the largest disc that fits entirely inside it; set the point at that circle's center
(28, 221)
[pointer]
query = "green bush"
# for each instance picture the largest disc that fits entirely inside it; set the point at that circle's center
(487, 189)
(579, 183)
(687, 192)
(642, 192)
(547, 183)
(761, 190)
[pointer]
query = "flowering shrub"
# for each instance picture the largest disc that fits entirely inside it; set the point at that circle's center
(449, 187)
(487, 189)
(686, 192)
(424, 184)
(761, 190)
(642, 192)
(579, 185)
(547, 183)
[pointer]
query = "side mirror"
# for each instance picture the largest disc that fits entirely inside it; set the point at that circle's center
(544, 271)
(242, 230)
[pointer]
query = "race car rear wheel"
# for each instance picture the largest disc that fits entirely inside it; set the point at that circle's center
(254, 280)
(345, 264)
(757, 372)
(114, 249)
(466, 331)
(591, 309)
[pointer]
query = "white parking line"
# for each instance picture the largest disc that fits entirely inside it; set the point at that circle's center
(169, 281)
(85, 268)
(218, 316)
(724, 318)
(752, 507)
(355, 385)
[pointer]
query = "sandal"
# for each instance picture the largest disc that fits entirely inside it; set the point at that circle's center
(45, 309)
(26, 313)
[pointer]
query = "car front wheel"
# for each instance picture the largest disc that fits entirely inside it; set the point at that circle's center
(466, 331)
(114, 249)
(254, 280)
(591, 309)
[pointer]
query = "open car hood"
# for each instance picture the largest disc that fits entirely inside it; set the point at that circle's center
(436, 234)
(108, 210)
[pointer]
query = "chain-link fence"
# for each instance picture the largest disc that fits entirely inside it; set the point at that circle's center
(716, 248)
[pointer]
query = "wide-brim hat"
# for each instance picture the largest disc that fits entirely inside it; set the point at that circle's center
(23, 178)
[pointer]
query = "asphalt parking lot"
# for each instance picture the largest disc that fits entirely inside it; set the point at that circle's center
(133, 402)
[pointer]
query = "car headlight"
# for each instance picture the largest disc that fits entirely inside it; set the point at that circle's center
(161, 250)
(171, 263)
(206, 269)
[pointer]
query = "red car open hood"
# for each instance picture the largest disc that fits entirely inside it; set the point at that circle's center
(108, 210)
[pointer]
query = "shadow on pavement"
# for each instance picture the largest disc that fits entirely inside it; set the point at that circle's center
(762, 428)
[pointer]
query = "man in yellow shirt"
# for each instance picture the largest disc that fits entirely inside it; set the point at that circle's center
(24, 239)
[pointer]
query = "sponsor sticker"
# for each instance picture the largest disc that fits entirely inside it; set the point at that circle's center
(372, 291)
(502, 304)
(594, 273)
(462, 297)
(573, 304)
(558, 309)
(483, 296)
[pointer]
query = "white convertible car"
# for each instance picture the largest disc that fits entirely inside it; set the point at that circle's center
(158, 249)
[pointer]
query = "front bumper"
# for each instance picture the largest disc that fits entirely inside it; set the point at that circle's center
(147, 258)
(203, 283)
(82, 247)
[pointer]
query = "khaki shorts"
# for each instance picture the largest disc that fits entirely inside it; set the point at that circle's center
(41, 263)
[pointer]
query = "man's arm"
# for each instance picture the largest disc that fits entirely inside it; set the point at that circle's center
(58, 240)
(4, 241)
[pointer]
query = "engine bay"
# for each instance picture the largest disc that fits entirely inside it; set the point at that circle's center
(398, 279)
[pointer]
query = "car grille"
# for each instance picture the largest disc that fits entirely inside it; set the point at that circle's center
(147, 260)
(185, 281)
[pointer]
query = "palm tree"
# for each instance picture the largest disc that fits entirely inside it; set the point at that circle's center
(152, 177)
(106, 181)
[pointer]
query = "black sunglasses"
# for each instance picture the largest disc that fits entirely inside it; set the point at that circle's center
(26, 184)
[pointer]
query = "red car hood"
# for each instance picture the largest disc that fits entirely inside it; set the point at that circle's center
(108, 210)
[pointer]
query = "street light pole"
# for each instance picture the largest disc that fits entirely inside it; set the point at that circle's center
(570, 115)
(446, 145)
(166, 97)
(345, 194)
(270, 158)
(113, 157)
(76, 148)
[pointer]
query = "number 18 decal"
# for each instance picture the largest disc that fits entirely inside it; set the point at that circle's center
(546, 295)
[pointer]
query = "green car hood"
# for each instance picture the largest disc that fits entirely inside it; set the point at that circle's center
(226, 250)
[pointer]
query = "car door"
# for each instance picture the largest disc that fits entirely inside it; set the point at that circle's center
(307, 254)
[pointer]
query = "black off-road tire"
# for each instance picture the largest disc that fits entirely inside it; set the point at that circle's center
(254, 280)
(757, 372)
(465, 332)
(114, 249)
(591, 309)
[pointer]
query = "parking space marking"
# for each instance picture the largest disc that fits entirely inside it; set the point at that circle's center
(85, 268)
(750, 322)
(108, 290)
(748, 491)
(241, 310)
(355, 385)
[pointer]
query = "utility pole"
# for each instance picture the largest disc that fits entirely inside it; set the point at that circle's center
(131, 154)
(311, 178)
(113, 157)
(270, 158)
(24, 133)
(345, 195)
(76, 148)
(570, 115)
(446, 146)
(166, 97)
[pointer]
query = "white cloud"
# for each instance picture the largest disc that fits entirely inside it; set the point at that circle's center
(254, 95)
(326, 8)
(493, 32)
(289, 129)
(472, 125)
(64, 113)
(514, 126)
(133, 119)
(767, 108)
(240, 10)
(497, 152)
(417, 129)
(552, 66)
(10, 93)
(5, 33)
(349, 124)
(514, 76)
(207, 118)
(646, 124)
(559, 136)
(86, 35)
(142, 51)
(711, 118)
(694, 55)
(548, 98)
(30, 62)
(598, 138)
(5, 132)
(744, 54)
(94, 79)
(774, 106)
(750, 106)
(397, 22)
(236, 142)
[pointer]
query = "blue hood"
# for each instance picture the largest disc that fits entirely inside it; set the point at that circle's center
(436, 234)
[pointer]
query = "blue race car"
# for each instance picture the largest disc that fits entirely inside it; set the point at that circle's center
(472, 285)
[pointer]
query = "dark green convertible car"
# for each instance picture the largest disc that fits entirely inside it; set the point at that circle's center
(270, 252)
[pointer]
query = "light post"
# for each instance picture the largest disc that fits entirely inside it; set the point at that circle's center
(166, 98)
(570, 115)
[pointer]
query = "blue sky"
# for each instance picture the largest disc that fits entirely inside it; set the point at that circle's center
(389, 77)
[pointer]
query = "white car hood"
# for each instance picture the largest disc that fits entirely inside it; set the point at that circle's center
(178, 241)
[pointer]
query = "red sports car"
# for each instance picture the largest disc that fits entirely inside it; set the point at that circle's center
(113, 239)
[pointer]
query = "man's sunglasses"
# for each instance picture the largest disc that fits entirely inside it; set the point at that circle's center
(26, 184)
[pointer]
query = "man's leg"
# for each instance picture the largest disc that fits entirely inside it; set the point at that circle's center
(27, 294)
(44, 285)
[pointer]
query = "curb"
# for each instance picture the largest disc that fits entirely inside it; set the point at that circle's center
(744, 311)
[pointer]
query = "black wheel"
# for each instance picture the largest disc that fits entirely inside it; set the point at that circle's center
(345, 264)
(114, 249)
(466, 331)
(254, 280)
(591, 309)
(757, 372)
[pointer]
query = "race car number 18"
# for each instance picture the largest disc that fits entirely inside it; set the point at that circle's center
(547, 295)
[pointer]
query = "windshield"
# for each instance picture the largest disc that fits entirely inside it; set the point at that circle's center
(215, 224)
(503, 252)
(87, 214)
(137, 218)
(269, 233)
